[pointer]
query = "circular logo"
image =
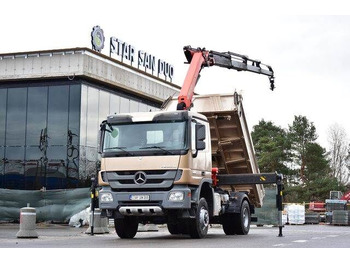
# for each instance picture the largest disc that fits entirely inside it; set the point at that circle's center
(97, 38)
(140, 178)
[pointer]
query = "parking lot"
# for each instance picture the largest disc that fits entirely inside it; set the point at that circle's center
(294, 236)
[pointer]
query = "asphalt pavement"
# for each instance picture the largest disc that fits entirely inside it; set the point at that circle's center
(294, 236)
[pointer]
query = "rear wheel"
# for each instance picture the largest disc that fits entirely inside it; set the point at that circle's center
(126, 227)
(200, 225)
(228, 225)
(242, 220)
(237, 223)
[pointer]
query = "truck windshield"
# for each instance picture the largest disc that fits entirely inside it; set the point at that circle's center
(145, 138)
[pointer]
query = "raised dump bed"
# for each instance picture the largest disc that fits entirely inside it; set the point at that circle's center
(232, 147)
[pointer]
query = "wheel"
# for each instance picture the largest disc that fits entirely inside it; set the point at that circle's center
(242, 220)
(237, 223)
(228, 225)
(200, 225)
(178, 228)
(173, 229)
(126, 227)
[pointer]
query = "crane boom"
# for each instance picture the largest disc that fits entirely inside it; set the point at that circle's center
(199, 58)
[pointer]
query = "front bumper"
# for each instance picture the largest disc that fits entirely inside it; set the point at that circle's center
(156, 203)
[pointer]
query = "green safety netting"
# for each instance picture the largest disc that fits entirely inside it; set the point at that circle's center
(51, 205)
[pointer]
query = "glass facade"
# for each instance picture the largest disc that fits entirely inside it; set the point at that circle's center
(49, 132)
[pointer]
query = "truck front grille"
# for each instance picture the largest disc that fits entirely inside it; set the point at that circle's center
(141, 180)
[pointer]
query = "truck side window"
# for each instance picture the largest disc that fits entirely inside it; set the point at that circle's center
(193, 137)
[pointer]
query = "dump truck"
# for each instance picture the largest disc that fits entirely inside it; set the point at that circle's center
(188, 165)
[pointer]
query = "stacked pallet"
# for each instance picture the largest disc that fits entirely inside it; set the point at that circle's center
(295, 213)
(335, 204)
(312, 218)
(340, 217)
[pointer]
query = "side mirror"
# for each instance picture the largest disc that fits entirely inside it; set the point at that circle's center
(200, 137)
(100, 136)
(100, 141)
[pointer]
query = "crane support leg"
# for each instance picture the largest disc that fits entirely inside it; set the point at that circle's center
(279, 198)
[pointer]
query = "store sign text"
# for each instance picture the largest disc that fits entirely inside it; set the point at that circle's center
(143, 59)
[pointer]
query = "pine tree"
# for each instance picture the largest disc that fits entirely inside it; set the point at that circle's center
(271, 147)
(301, 133)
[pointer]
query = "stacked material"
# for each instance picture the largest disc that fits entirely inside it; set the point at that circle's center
(312, 218)
(284, 218)
(340, 217)
(317, 206)
(296, 214)
(335, 204)
(329, 216)
(268, 213)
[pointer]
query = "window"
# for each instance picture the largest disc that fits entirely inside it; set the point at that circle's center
(57, 126)
(124, 105)
(92, 117)
(3, 104)
(155, 137)
(142, 138)
(103, 106)
(49, 133)
(114, 104)
(36, 115)
(193, 137)
(16, 116)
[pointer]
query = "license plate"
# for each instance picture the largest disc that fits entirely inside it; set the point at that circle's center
(139, 197)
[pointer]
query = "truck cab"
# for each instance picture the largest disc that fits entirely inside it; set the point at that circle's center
(154, 166)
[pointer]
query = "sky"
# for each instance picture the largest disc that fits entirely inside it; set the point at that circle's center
(305, 42)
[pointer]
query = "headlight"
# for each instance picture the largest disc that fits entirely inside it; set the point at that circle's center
(176, 196)
(106, 197)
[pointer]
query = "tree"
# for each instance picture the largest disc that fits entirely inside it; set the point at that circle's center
(295, 151)
(339, 153)
(301, 133)
(317, 181)
(316, 162)
(271, 147)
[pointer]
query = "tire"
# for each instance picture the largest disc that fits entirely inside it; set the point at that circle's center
(237, 223)
(242, 220)
(126, 227)
(174, 229)
(200, 225)
(228, 224)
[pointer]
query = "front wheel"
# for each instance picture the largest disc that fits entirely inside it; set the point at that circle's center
(126, 227)
(200, 225)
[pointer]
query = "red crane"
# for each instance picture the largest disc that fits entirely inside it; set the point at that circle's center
(346, 196)
(199, 58)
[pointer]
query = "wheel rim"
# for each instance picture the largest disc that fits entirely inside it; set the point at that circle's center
(245, 218)
(204, 218)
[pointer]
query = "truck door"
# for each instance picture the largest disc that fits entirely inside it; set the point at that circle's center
(201, 158)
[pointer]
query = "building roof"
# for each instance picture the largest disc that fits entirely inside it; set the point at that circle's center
(87, 64)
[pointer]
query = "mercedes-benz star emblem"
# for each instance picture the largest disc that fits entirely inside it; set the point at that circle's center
(140, 178)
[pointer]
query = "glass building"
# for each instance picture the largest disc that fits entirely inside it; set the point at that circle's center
(51, 106)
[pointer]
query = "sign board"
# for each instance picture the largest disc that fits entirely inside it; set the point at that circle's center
(127, 53)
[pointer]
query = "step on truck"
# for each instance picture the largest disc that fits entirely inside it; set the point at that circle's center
(189, 165)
